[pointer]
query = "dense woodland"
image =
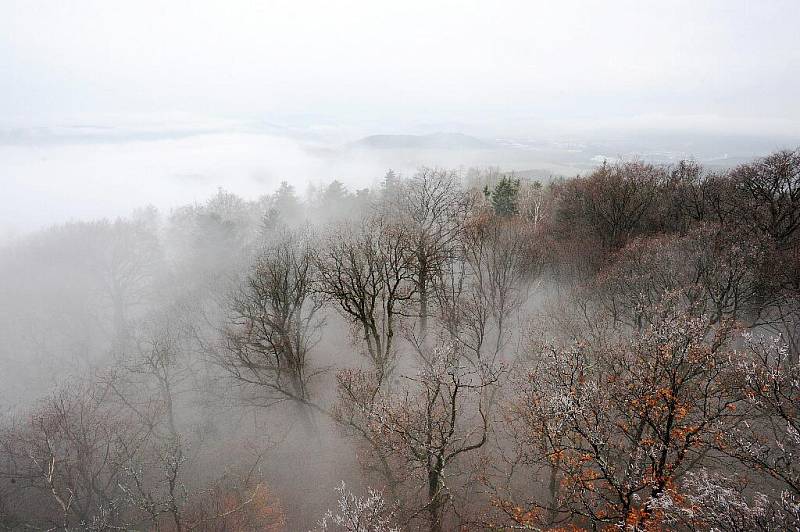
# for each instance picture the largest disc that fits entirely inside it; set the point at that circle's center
(445, 351)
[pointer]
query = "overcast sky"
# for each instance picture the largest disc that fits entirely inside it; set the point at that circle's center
(388, 66)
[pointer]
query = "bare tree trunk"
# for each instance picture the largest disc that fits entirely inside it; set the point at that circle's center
(170, 408)
(423, 297)
(552, 487)
(435, 504)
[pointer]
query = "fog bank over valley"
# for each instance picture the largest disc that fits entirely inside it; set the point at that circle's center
(56, 174)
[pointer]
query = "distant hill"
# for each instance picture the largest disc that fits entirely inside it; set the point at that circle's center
(439, 141)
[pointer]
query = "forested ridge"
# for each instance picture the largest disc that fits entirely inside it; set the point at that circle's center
(448, 350)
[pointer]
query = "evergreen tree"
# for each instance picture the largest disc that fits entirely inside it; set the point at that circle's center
(504, 196)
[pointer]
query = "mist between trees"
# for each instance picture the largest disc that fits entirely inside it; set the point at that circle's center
(446, 351)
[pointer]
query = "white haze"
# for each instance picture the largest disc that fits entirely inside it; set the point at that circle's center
(49, 182)
(96, 180)
(106, 106)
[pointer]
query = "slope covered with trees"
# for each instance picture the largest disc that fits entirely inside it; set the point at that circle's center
(446, 351)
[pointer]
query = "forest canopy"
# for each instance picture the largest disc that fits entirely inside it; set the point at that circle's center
(445, 351)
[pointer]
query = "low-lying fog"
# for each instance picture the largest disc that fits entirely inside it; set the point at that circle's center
(52, 175)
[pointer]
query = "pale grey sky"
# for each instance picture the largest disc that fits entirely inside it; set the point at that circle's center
(508, 66)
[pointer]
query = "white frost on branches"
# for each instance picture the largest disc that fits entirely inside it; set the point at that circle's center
(718, 503)
(359, 514)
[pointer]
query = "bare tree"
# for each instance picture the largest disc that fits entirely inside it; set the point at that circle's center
(771, 189)
(432, 207)
(369, 272)
(498, 272)
(608, 206)
(274, 323)
(534, 203)
(709, 271)
(359, 514)
(712, 501)
(770, 442)
(617, 427)
(68, 456)
(425, 426)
